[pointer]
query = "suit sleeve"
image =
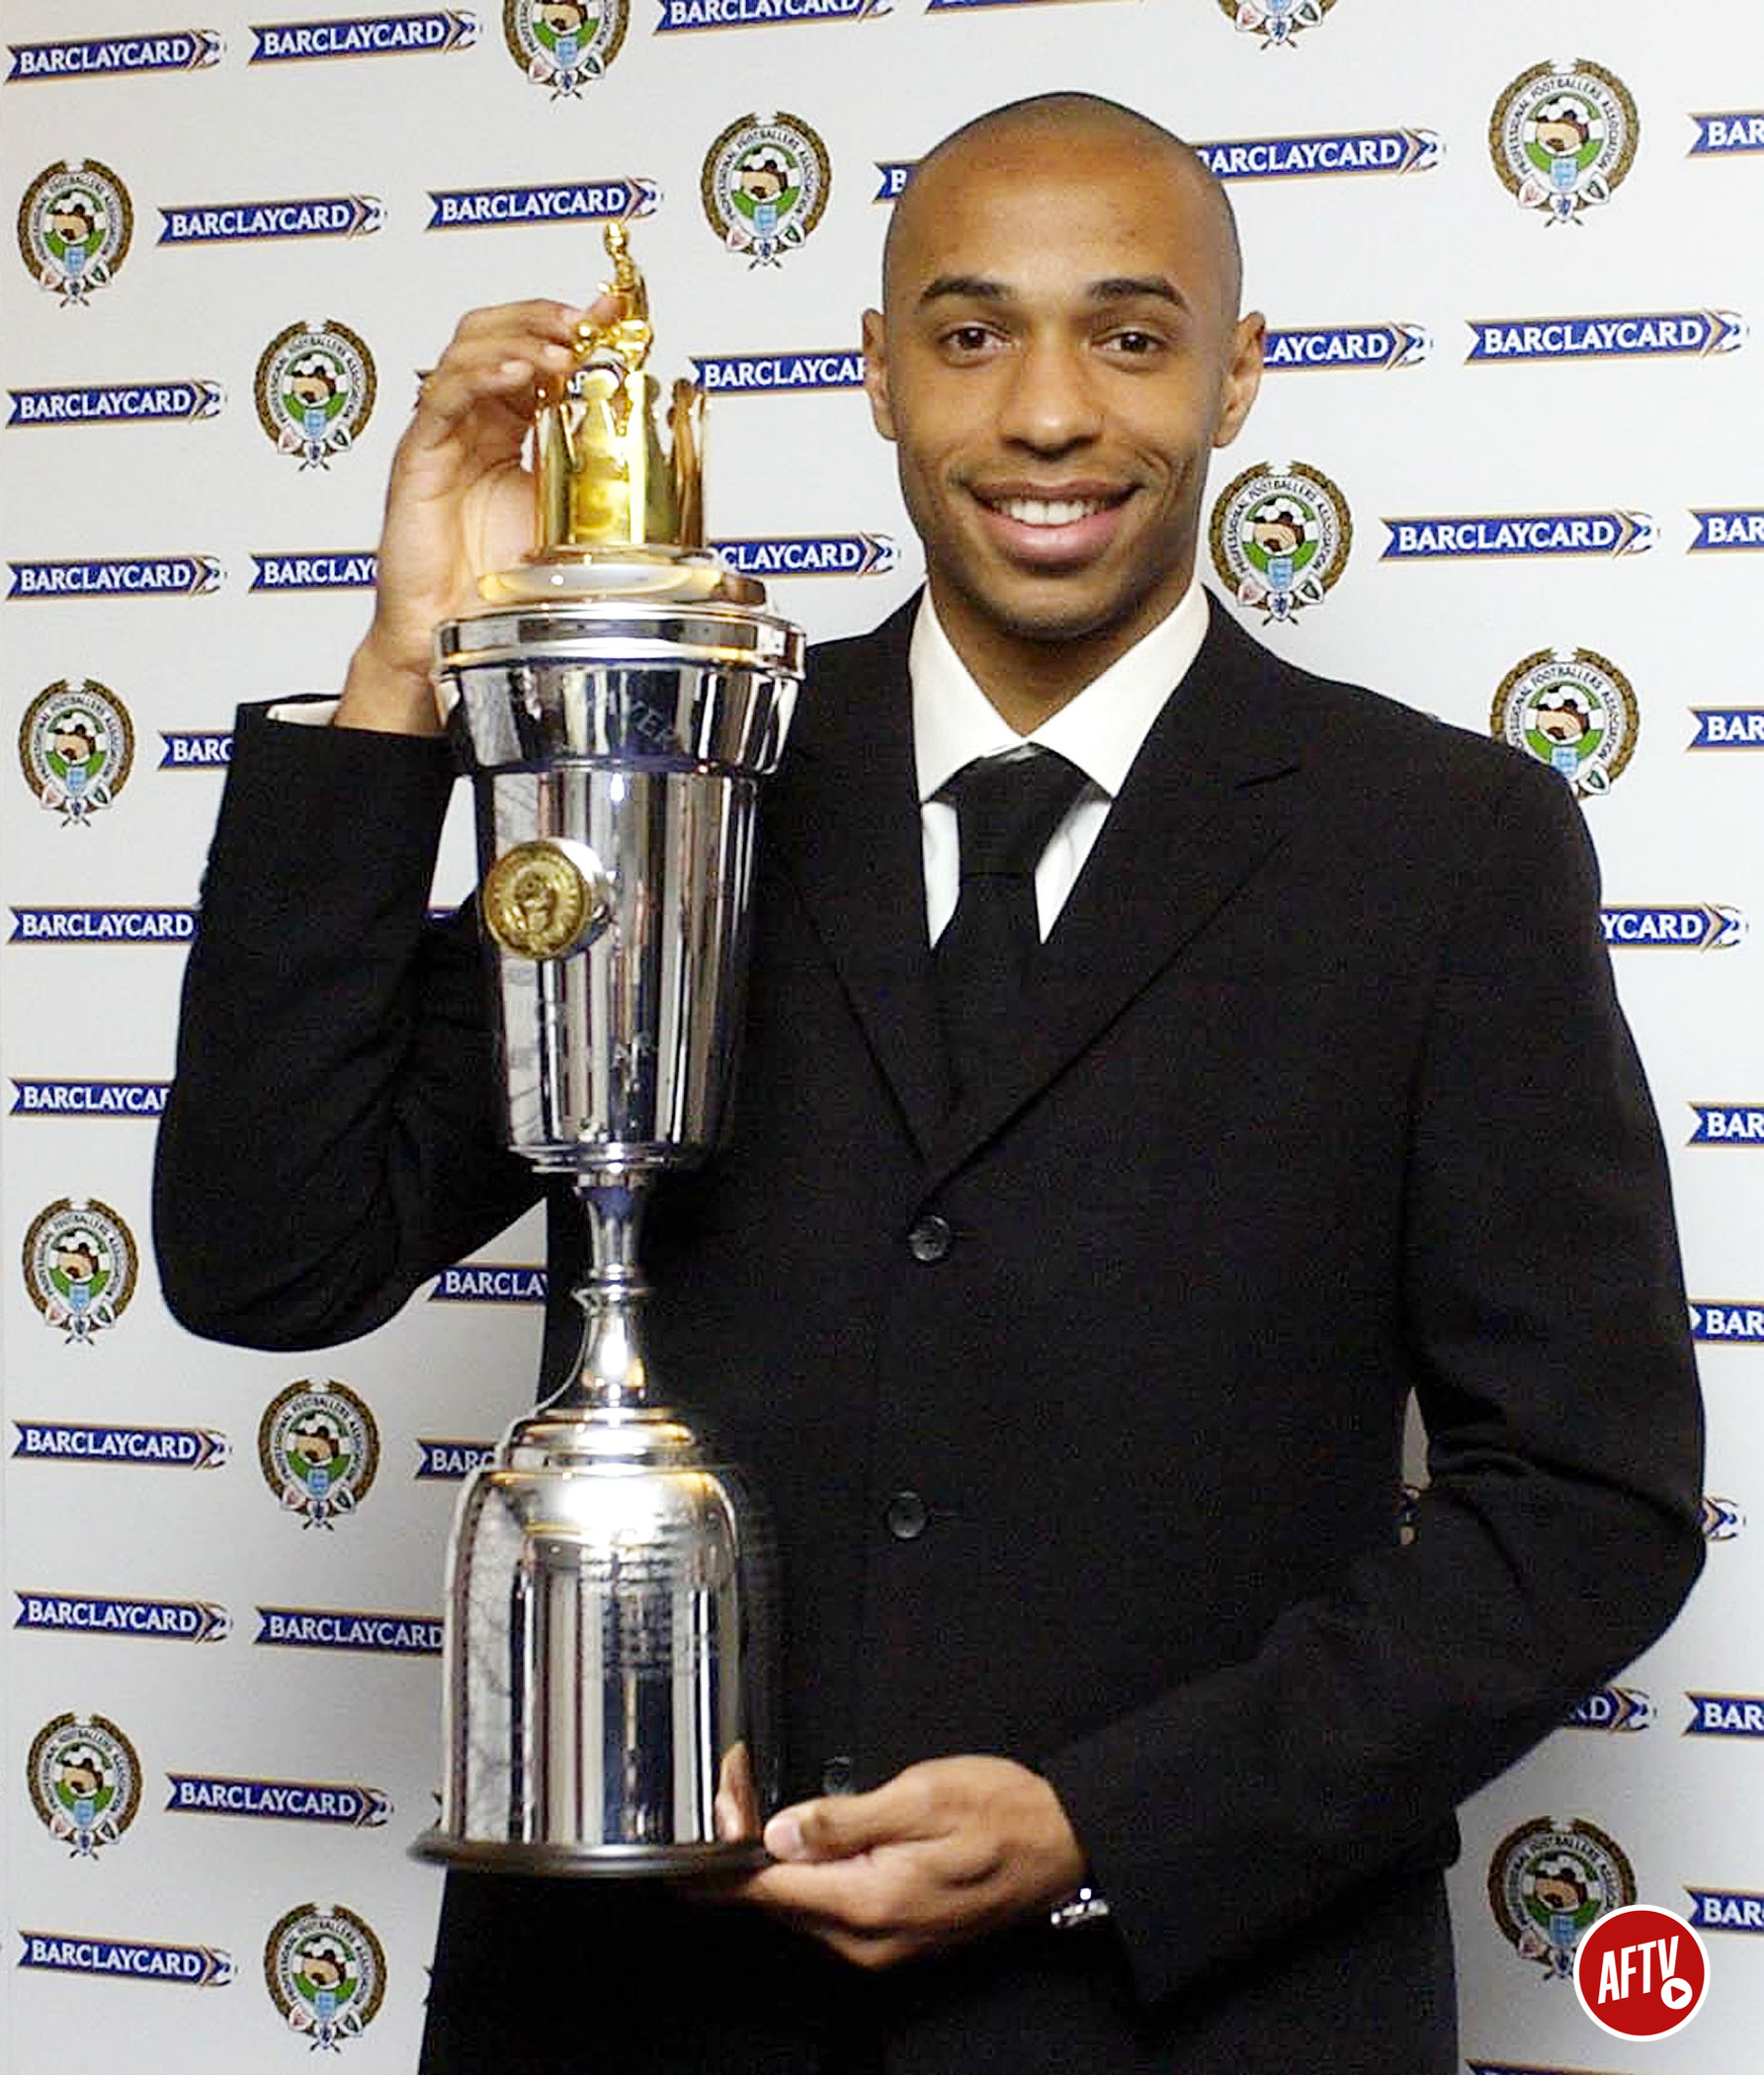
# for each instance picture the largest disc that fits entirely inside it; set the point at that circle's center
(330, 1138)
(1543, 1310)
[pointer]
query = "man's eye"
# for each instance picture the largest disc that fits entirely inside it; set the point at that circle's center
(1134, 344)
(967, 338)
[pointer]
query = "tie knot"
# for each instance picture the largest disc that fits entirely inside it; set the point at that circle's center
(1007, 807)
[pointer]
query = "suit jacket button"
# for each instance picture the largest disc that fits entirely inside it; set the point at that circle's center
(906, 1516)
(930, 1239)
(836, 1775)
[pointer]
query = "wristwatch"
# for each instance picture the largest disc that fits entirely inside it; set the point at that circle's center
(1083, 1906)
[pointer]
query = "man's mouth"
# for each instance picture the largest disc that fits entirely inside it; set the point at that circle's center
(1052, 511)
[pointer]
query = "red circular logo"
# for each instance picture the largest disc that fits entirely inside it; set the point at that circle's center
(1640, 1972)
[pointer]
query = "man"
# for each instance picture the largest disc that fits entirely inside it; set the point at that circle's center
(1074, 1366)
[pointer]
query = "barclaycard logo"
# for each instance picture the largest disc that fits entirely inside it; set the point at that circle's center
(810, 554)
(158, 1447)
(1738, 527)
(190, 1966)
(230, 223)
(1727, 728)
(371, 36)
(340, 1628)
(490, 1283)
(1728, 1123)
(1305, 157)
(89, 1098)
(763, 14)
(195, 750)
(171, 1620)
(726, 374)
(895, 172)
(1722, 1519)
(1615, 1710)
(468, 209)
(123, 400)
(1727, 1319)
(449, 1460)
(153, 576)
(1726, 1909)
(1737, 132)
(341, 570)
(1502, 536)
(102, 925)
(278, 1800)
(183, 50)
(1348, 345)
(1649, 334)
(1725, 1714)
(1701, 926)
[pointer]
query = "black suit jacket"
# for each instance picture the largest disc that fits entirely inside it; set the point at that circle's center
(1319, 1097)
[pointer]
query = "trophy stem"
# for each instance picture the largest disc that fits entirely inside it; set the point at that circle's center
(610, 1372)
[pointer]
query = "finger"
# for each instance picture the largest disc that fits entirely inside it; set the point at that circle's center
(537, 320)
(835, 1827)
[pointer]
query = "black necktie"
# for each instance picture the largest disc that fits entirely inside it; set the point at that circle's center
(1006, 810)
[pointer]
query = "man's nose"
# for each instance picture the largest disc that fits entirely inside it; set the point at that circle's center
(1052, 402)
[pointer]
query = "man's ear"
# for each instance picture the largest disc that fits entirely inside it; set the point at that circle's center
(1243, 377)
(876, 373)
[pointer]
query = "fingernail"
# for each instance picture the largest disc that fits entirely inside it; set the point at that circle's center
(783, 1837)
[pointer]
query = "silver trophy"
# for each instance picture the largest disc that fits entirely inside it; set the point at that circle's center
(610, 1661)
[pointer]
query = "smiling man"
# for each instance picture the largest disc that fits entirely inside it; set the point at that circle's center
(1152, 1082)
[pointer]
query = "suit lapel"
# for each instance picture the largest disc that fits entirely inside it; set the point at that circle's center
(1198, 813)
(1200, 810)
(844, 816)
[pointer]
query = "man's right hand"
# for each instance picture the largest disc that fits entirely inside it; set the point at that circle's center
(460, 503)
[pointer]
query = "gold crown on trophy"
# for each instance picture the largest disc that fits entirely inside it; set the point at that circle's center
(619, 513)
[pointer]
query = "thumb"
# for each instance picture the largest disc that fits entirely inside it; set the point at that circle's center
(839, 1826)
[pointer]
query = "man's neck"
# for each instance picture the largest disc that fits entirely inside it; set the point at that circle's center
(1028, 679)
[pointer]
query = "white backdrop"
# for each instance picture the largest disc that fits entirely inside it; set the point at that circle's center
(142, 1943)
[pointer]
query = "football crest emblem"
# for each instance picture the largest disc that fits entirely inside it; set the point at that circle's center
(1280, 537)
(1276, 21)
(326, 1975)
(1562, 138)
(318, 1448)
(75, 223)
(84, 1782)
(315, 387)
(76, 745)
(80, 1268)
(1549, 1882)
(563, 45)
(1571, 709)
(764, 186)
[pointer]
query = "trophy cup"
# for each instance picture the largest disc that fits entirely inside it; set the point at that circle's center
(610, 1656)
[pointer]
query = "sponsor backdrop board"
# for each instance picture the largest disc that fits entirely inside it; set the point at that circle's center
(1508, 464)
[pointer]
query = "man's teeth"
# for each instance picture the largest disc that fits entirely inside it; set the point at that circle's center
(1048, 511)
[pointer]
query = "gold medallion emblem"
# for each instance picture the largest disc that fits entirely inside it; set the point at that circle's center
(540, 903)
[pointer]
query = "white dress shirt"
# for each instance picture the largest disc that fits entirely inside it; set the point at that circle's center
(1101, 731)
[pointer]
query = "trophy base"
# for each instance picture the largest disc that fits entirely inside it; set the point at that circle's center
(593, 1862)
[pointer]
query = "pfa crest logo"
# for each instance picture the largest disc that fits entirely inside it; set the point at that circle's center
(563, 45)
(315, 387)
(318, 1448)
(76, 745)
(764, 186)
(76, 224)
(1562, 138)
(326, 1975)
(1548, 1884)
(1276, 21)
(80, 1268)
(84, 1782)
(1571, 709)
(1280, 537)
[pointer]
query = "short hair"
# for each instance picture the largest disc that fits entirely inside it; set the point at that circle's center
(1049, 110)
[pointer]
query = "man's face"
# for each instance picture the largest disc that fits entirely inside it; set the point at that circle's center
(1056, 365)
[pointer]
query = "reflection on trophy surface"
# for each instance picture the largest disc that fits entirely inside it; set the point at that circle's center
(611, 1656)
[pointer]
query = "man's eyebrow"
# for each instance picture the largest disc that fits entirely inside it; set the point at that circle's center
(1123, 288)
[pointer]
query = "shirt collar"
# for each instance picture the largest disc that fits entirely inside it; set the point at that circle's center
(1100, 730)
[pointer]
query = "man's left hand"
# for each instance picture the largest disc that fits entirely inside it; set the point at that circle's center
(942, 1853)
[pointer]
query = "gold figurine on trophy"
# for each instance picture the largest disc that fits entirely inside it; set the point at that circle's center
(618, 512)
